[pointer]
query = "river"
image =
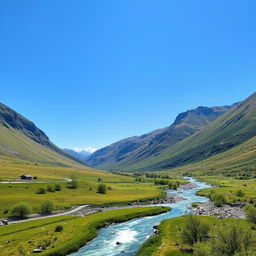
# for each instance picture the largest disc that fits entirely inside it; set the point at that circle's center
(133, 233)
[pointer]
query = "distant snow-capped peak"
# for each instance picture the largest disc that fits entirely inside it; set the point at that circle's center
(86, 149)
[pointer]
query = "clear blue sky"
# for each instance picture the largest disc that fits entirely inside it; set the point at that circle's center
(89, 73)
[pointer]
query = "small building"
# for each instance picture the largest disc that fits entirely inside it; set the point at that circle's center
(26, 177)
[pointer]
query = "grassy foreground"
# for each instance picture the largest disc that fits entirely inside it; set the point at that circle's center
(168, 241)
(21, 239)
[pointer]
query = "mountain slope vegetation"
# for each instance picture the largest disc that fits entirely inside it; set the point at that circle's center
(21, 139)
(228, 131)
(132, 150)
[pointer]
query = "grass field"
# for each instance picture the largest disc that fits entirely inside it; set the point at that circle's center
(21, 239)
(229, 186)
(168, 241)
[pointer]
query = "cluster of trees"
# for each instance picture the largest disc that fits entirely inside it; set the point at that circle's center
(50, 188)
(23, 209)
(170, 184)
(233, 239)
(157, 176)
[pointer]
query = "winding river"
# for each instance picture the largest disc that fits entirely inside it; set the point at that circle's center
(133, 233)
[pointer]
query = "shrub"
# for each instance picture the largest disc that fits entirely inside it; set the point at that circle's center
(251, 214)
(50, 188)
(47, 206)
(21, 209)
(173, 185)
(240, 193)
(228, 240)
(194, 230)
(58, 187)
(219, 200)
(109, 188)
(59, 228)
(41, 191)
(74, 182)
(102, 189)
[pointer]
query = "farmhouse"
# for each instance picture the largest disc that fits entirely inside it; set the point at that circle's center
(26, 177)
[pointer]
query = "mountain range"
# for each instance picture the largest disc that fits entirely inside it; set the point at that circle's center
(132, 150)
(217, 139)
(194, 136)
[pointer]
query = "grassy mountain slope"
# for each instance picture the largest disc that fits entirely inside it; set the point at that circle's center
(135, 149)
(231, 129)
(21, 139)
(238, 161)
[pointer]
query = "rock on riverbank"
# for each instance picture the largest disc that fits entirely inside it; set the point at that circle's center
(225, 211)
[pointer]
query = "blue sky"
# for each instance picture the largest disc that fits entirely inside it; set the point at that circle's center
(89, 73)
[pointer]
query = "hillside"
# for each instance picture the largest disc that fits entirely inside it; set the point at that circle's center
(135, 149)
(239, 161)
(228, 131)
(21, 139)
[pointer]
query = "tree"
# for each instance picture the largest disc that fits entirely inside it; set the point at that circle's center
(21, 209)
(73, 182)
(194, 230)
(41, 191)
(219, 200)
(251, 214)
(50, 188)
(102, 189)
(240, 193)
(47, 206)
(58, 187)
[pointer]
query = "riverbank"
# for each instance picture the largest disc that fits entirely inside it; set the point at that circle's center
(24, 238)
(225, 211)
(83, 210)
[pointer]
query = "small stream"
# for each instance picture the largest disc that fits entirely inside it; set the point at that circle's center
(132, 234)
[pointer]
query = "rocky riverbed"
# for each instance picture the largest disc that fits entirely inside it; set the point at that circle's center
(225, 211)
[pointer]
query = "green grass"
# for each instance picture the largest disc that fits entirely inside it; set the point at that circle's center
(124, 188)
(120, 193)
(168, 241)
(22, 238)
(237, 162)
(229, 186)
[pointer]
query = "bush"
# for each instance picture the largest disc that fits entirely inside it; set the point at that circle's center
(21, 209)
(251, 214)
(59, 228)
(74, 182)
(240, 193)
(41, 191)
(50, 188)
(219, 200)
(173, 185)
(102, 189)
(47, 206)
(58, 187)
(228, 240)
(194, 230)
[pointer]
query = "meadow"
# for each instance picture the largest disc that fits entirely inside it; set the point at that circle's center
(229, 187)
(122, 189)
(22, 238)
